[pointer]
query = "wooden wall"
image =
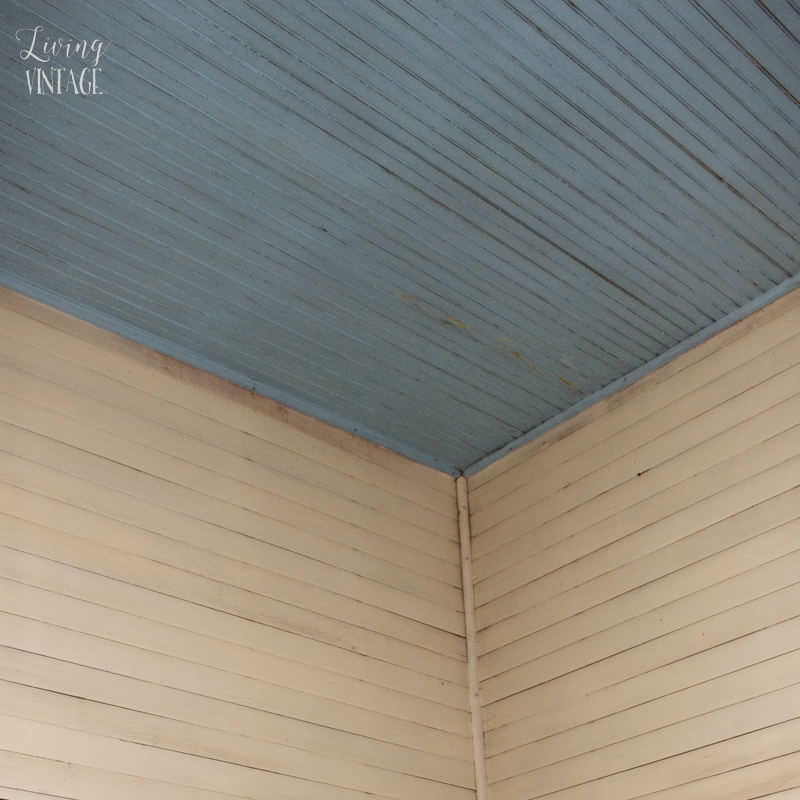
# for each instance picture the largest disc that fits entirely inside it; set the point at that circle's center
(205, 595)
(638, 585)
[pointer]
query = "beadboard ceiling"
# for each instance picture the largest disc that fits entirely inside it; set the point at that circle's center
(440, 224)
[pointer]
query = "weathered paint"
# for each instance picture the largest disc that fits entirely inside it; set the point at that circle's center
(437, 224)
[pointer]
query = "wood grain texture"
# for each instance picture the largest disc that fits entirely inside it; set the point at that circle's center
(637, 586)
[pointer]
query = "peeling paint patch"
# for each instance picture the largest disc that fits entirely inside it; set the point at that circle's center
(504, 348)
(426, 308)
(570, 384)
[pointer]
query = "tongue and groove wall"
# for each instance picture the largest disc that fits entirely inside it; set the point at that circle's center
(204, 595)
(637, 581)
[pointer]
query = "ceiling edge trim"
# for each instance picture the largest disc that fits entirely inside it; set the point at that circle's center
(134, 334)
(784, 288)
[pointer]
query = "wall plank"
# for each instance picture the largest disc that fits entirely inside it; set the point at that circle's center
(742, 344)
(204, 596)
(110, 688)
(682, 674)
(287, 433)
(637, 585)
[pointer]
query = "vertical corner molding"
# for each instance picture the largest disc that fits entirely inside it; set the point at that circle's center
(471, 630)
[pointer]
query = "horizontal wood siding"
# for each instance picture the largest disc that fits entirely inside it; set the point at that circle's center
(638, 585)
(204, 595)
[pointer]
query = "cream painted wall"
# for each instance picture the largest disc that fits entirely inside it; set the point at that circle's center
(205, 595)
(637, 581)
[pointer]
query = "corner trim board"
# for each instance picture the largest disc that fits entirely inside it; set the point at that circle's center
(476, 708)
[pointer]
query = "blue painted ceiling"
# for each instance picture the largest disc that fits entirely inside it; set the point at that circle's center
(436, 223)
